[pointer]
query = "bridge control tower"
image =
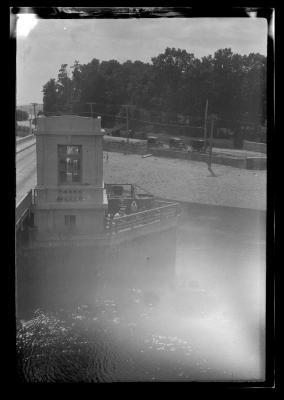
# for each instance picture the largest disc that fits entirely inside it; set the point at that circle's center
(70, 200)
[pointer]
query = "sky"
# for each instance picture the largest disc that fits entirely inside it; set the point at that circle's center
(44, 44)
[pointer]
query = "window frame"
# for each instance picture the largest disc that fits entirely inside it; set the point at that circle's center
(70, 221)
(62, 156)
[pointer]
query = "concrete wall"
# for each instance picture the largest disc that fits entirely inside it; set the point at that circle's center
(134, 147)
(254, 146)
(236, 162)
(195, 156)
(68, 125)
(52, 223)
(69, 130)
(257, 163)
(47, 158)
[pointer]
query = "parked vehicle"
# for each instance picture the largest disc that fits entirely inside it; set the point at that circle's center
(140, 135)
(127, 134)
(153, 141)
(200, 145)
(176, 143)
(115, 132)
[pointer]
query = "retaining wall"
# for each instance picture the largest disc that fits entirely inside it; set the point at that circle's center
(124, 147)
(138, 148)
(255, 146)
(195, 156)
(256, 163)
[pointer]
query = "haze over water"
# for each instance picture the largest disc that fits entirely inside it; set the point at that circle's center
(172, 306)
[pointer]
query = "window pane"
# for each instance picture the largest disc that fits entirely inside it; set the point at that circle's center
(75, 167)
(76, 178)
(69, 177)
(62, 165)
(70, 220)
(69, 163)
(62, 177)
(73, 149)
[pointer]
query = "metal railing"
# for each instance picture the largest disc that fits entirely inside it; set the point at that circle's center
(25, 139)
(141, 218)
(23, 208)
(25, 143)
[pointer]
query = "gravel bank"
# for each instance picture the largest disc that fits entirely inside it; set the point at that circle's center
(190, 181)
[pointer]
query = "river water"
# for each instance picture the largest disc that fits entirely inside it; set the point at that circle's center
(181, 305)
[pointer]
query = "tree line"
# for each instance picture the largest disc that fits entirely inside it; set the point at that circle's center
(172, 89)
(21, 115)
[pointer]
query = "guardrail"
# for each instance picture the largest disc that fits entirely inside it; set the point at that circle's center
(23, 208)
(141, 218)
(25, 139)
(29, 143)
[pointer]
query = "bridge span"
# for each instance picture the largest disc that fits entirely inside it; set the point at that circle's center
(25, 177)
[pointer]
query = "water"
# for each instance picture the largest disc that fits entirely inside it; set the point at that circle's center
(185, 306)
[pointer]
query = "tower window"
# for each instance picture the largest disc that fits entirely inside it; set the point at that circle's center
(70, 221)
(69, 164)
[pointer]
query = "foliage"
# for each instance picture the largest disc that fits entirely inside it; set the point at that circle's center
(173, 87)
(21, 115)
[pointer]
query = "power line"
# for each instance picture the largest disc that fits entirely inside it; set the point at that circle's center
(151, 122)
(127, 118)
(161, 112)
(137, 108)
(130, 119)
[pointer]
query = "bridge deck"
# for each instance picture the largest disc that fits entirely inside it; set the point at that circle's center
(25, 167)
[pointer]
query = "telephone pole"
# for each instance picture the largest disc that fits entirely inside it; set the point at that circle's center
(91, 105)
(205, 123)
(35, 118)
(127, 125)
(213, 118)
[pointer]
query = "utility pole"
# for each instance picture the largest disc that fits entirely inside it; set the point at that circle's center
(30, 121)
(127, 123)
(91, 104)
(205, 123)
(213, 118)
(35, 118)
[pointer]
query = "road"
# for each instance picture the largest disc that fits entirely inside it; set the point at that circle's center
(25, 169)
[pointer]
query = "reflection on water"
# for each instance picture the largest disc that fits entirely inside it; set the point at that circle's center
(148, 310)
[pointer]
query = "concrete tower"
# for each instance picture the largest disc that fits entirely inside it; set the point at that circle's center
(70, 199)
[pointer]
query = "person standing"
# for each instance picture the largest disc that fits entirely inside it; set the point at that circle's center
(188, 150)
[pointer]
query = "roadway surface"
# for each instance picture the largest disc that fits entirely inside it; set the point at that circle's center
(25, 168)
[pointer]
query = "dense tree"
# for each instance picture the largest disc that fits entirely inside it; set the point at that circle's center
(50, 97)
(21, 115)
(170, 89)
